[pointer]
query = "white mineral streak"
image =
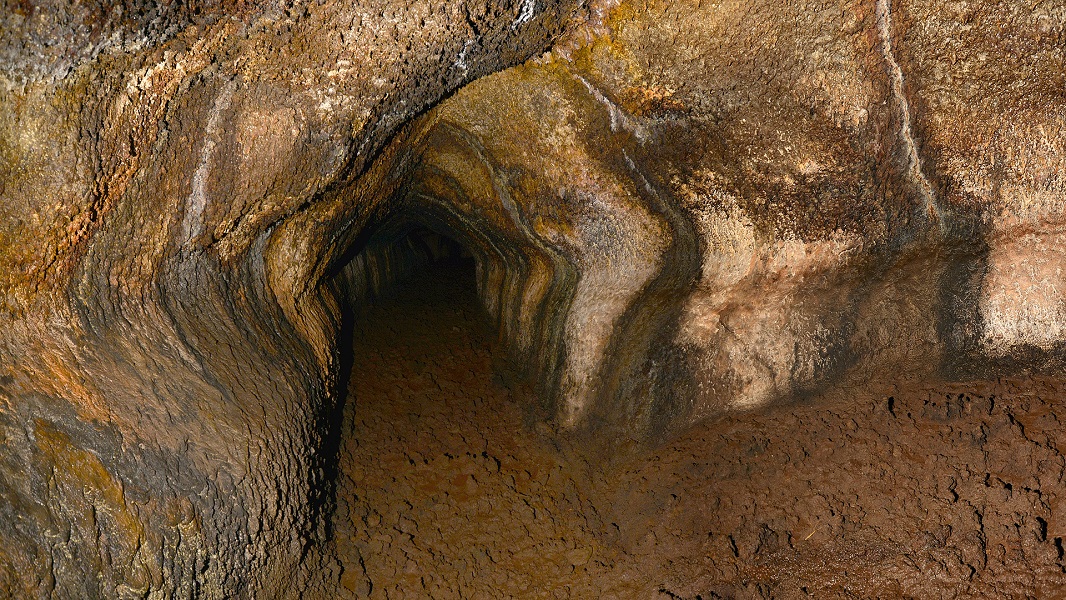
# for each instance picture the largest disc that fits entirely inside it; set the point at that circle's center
(620, 120)
(193, 223)
(529, 8)
(895, 74)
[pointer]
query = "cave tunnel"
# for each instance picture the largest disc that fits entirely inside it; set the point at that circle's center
(532, 299)
(429, 398)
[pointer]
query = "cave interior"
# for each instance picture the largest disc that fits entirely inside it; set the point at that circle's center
(532, 299)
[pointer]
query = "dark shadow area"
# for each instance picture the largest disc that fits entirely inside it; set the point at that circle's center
(442, 489)
(388, 263)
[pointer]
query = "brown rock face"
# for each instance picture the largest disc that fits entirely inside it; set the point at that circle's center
(677, 210)
(175, 183)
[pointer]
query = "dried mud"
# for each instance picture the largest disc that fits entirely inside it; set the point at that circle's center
(913, 489)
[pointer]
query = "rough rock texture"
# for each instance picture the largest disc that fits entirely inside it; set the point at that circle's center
(906, 490)
(736, 203)
(684, 209)
(171, 180)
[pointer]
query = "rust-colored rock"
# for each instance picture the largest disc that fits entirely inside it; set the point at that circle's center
(678, 210)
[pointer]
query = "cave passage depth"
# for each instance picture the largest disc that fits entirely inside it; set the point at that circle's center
(315, 299)
(450, 487)
(444, 491)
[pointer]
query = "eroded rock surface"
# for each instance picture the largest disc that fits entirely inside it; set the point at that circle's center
(901, 490)
(682, 210)
(170, 194)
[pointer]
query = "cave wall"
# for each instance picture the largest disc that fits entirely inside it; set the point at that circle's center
(682, 208)
(167, 362)
(726, 205)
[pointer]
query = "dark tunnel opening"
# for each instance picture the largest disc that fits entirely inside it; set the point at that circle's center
(434, 448)
(399, 252)
(404, 263)
(400, 262)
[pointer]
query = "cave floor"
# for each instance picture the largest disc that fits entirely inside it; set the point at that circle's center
(909, 490)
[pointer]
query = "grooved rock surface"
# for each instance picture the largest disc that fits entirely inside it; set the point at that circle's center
(679, 212)
(691, 208)
(168, 181)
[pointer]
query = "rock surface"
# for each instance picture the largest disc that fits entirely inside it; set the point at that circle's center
(681, 211)
(173, 181)
(905, 490)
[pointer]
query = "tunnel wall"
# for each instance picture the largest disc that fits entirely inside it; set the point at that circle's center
(168, 349)
(750, 209)
(681, 209)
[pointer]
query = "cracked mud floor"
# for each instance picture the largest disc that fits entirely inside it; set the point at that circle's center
(913, 490)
